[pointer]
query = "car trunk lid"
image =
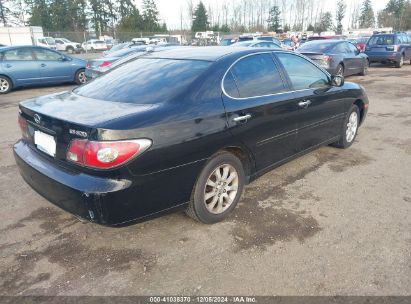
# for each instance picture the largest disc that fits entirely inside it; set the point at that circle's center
(65, 116)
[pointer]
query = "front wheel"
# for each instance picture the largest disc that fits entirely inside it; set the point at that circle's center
(350, 128)
(80, 77)
(218, 189)
(5, 85)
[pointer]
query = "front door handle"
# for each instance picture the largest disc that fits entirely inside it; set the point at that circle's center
(43, 65)
(304, 104)
(242, 118)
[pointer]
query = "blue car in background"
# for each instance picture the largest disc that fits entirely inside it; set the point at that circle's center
(22, 66)
(393, 48)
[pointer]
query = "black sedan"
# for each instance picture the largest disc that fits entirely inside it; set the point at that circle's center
(181, 129)
(338, 57)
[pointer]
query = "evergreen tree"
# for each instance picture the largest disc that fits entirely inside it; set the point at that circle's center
(274, 21)
(225, 28)
(200, 19)
(339, 16)
(39, 11)
(150, 16)
(396, 14)
(326, 22)
(367, 18)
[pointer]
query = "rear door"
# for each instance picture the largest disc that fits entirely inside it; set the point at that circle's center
(21, 66)
(320, 110)
(406, 45)
(260, 110)
(54, 68)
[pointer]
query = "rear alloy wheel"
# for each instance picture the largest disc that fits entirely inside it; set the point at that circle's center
(350, 128)
(5, 85)
(218, 189)
(340, 70)
(365, 68)
(81, 77)
(400, 63)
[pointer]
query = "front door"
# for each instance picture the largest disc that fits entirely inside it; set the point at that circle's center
(320, 110)
(260, 110)
(54, 68)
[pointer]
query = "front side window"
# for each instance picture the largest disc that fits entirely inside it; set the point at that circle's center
(42, 54)
(340, 48)
(257, 75)
(302, 73)
(18, 55)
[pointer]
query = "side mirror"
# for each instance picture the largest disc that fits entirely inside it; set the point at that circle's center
(337, 81)
(63, 58)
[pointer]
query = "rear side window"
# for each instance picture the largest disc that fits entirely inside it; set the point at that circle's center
(18, 55)
(257, 75)
(302, 73)
(230, 86)
(144, 81)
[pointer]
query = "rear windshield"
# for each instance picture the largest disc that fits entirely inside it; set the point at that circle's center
(144, 80)
(382, 40)
(315, 46)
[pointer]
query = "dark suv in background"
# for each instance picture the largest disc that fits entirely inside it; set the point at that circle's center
(394, 48)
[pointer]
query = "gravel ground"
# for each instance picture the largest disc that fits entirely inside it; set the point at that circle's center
(331, 222)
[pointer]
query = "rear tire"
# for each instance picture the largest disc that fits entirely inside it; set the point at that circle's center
(400, 63)
(70, 50)
(349, 129)
(80, 77)
(339, 70)
(217, 190)
(5, 84)
(365, 68)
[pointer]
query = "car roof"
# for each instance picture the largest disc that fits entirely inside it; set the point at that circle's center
(207, 53)
(11, 47)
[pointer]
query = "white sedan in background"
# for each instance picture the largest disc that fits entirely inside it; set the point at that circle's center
(94, 45)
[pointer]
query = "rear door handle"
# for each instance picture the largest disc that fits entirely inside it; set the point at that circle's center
(242, 118)
(304, 104)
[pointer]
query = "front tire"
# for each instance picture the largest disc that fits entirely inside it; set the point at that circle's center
(350, 128)
(80, 77)
(5, 85)
(218, 189)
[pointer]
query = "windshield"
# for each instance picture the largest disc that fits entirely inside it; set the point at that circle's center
(144, 81)
(240, 44)
(315, 47)
(382, 40)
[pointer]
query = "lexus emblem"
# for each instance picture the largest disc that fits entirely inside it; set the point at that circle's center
(37, 118)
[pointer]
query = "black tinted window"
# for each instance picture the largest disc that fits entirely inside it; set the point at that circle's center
(340, 48)
(303, 74)
(257, 75)
(381, 40)
(144, 80)
(230, 86)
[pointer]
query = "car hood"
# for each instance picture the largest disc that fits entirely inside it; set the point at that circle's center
(70, 107)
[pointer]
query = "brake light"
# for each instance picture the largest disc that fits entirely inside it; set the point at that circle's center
(327, 58)
(393, 48)
(88, 65)
(23, 126)
(105, 64)
(105, 154)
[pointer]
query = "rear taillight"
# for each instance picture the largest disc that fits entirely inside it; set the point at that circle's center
(105, 154)
(327, 58)
(23, 127)
(88, 65)
(105, 64)
(393, 48)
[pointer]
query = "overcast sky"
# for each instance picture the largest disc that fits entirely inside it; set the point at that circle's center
(170, 9)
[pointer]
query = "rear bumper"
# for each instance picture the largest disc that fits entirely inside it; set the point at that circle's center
(383, 56)
(106, 201)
